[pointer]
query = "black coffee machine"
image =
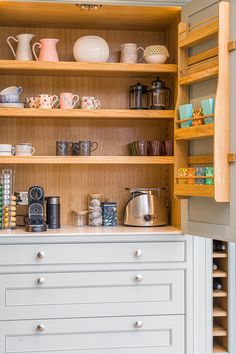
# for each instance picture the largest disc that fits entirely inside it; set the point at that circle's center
(36, 210)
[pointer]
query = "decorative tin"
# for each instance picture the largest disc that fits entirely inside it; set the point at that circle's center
(191, 173)
(182, 172)
(109, 214)
(209, 171)
(200, 171)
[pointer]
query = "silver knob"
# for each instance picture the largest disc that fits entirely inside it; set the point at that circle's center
(139, 278)
(41, 254)
(40, 328)
(139, 324)
(138, 253)
(41, 280)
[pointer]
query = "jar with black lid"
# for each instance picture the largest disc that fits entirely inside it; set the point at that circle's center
(138, 96)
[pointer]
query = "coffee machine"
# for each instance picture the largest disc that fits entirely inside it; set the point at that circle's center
(36, 210)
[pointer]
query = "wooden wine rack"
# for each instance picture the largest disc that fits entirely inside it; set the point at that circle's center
(220, 302)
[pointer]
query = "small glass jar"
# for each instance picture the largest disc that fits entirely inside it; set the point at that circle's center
(95, 209)
(80, 217)
(138, 97)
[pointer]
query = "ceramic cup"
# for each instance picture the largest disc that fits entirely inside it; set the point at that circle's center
(75, 149)
(47, 101)
(33, 102)
(25, 149)
(86, 147)
(7, 150)
(68, 100)
(62, 148)
(129, 53)
(89, 102)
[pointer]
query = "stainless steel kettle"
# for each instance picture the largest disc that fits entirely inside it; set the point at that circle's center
(146, 207)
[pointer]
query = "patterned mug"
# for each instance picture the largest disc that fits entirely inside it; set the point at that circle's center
(89, 102)
(47, 101)
(68, 100)
(33, 102)
(86, 147)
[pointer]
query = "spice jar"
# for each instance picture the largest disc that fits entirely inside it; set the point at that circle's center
(95, 209)
(138, 96)
(80, 217)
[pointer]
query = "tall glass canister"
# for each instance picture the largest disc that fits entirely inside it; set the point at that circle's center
(8, 199)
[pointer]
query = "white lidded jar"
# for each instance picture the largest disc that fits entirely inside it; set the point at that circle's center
(91, 49)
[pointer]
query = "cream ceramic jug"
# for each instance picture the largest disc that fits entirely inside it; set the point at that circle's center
(23, 50)
(48, 50)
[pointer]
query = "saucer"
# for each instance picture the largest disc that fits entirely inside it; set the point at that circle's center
(12, 105)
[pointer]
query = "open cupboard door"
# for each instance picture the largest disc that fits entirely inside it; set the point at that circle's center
(207, 66)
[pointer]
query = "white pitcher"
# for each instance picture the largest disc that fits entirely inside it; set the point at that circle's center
(23, 50)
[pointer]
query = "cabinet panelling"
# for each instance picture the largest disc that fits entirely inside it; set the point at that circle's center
(104, 253)
(87, 294)
(158, 335)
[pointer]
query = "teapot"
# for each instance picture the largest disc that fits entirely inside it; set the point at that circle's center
(159, 95)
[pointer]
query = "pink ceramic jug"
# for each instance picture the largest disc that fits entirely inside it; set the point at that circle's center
(48, 51)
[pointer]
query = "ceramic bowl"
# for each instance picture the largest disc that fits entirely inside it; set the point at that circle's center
(10, 94)
(156, 54)
(156, 59)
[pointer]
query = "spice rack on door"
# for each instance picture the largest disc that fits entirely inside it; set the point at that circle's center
(220, 297)
(194, 69)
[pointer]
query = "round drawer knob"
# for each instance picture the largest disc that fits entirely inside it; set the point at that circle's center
(41, 280)
(139, 278)
(139, 324)
(40, 328)
(41, 254)
(138, 253)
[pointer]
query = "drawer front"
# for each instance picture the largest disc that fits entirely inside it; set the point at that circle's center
(103, 253)
(86, 294)
(129, 335)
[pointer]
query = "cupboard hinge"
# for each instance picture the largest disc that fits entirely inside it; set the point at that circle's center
(231, 46)
(232, 157)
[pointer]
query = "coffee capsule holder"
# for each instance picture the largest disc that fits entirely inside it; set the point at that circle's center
(8, 200)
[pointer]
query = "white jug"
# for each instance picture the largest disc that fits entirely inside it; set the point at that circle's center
(23, 50)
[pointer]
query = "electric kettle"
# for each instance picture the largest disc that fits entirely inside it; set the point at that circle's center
(146, 207)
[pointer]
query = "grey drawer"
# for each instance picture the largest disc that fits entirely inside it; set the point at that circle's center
(102, 253)
(90, 294)
(158, 335)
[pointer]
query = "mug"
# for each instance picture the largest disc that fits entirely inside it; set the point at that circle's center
(7, 150)
(47, 101)
(89, 102)
(62, 148)
(129, 53)
(68, 100)
(86, 147)
(25, 149)
(75, 149)
(33, 102)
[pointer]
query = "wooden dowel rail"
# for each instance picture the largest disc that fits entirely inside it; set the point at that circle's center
(199, 24)
(197, 118)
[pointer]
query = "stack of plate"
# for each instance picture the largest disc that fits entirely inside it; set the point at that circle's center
(13, 105)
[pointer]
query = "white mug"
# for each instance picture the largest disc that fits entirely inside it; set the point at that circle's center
(47, 101)
(89, 102)
(25, 149)
(68, 100)
(7, 150)
(129, 53)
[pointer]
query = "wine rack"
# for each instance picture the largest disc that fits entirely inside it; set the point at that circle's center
(220, 296)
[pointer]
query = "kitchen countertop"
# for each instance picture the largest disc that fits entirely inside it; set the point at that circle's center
(95, 231)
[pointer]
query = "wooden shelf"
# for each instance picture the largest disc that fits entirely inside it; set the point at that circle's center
(84, 113)
(219, 255)
(88, 160)
(200, 35)
(194, 190)
(219, 312)
(196, 132)
(199, 72)
(219, 293)
(219, 274)
(84, 69)
(218, 348)
(219, 331)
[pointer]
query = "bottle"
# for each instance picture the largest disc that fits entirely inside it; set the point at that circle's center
(217, 285)
(219, 246)
(214, 267)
